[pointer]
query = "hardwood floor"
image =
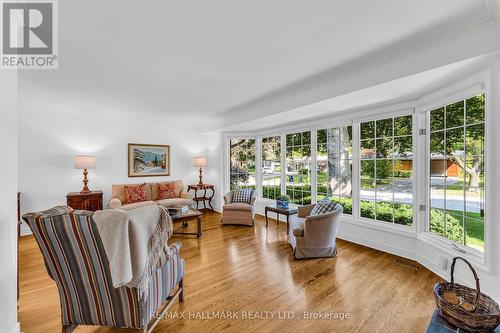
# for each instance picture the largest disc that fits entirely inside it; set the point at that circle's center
(250, 271)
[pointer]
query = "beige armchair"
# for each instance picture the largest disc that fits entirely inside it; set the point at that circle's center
(313, 236)
(240, 213)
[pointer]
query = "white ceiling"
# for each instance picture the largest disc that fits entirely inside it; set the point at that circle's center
(199, 61)
(401, 90)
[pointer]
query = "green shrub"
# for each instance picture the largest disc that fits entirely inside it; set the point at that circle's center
(454, 227)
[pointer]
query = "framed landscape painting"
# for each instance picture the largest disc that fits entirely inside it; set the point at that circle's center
(148, 160)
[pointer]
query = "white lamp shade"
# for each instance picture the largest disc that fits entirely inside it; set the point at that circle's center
(200, 162)
(84, 162)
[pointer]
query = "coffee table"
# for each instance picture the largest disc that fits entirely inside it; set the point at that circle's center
(292, 209)
(193, 214)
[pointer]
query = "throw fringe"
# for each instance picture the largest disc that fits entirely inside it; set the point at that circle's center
(157, 244)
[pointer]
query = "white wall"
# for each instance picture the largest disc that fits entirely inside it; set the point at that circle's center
(52, 131)
(8, 202)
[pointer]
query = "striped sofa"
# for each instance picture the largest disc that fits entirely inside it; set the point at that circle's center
(75, 259)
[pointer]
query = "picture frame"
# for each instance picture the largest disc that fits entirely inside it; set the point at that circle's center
(148, 160)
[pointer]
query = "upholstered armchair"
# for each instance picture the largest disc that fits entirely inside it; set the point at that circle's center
(75, 259)
(313, 236)
(241, 213)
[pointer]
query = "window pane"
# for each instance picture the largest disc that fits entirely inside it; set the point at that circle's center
(455, 141)
(436, 224)
(384, 169)
(437, 143)
(384, 127)
(367, 169)
(384, 148)
(367, 149)
(271, 167)
(367, 130)
(403, 125)
(475, 139)
(455, 114)
(437, 119)
(367, 196)
(475, 109)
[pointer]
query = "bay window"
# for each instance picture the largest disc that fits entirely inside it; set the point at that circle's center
(242, 163)
(334, 166)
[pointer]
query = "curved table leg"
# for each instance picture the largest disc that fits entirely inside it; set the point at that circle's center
(205, 199)
(210, 199)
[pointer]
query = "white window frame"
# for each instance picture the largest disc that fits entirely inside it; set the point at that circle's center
(471, 86)
(356, 155)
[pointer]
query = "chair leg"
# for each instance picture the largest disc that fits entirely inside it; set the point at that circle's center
(68, 328)
(181, 286)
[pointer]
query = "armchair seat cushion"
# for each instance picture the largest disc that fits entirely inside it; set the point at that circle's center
(173, 202)
(238, 206)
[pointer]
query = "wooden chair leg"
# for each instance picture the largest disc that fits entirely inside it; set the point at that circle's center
(68, 328)
(181, 286)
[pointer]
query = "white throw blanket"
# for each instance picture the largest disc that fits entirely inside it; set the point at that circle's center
(133, 241)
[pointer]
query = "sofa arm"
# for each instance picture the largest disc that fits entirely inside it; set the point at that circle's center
(115, 203)
(305, 211)
(228, 198)
(185, 195)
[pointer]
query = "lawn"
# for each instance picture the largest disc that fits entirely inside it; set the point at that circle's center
(474, 236)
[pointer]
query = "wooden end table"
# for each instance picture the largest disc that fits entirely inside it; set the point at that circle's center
(85, 201)
(193, 214)
(205, 198)
(292, 209)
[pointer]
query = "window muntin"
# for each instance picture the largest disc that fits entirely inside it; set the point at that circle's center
(386, 170)
(334, 165)
(271, 167)
(456, 172)
(298, 167)
(242, 163)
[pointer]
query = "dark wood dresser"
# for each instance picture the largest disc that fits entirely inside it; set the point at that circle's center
(85, 201)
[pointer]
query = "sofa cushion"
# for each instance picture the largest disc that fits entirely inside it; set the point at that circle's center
(166, 190)
(324, 206)
(136, 205)
(179, 187)
(174, 202)
(118, 191)
(242, 195)
(136, 193)
(240, 206)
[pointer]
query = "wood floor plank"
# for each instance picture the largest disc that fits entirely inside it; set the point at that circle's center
(250, 270)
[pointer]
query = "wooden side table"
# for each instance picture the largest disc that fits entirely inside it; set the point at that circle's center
(191, 215)
(283, 211)
(204, 198)
(85, 201)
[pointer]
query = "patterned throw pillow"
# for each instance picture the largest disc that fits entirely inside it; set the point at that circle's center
(242, 195)
(324, 206)
(136, 193)
(166, 191)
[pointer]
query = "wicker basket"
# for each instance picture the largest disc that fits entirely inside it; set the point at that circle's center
(465, 307)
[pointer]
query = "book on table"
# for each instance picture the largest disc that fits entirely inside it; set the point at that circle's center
(178, 211)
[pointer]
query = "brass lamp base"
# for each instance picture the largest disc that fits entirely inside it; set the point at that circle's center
(85, 182)
(201, 177)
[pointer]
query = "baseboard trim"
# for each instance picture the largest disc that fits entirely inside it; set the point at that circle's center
(377, 246)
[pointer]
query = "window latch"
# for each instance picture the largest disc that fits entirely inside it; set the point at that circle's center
(422, 208)
(422, 131)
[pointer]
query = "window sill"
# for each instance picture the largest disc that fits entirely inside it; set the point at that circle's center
(404, 230)
(445, 246)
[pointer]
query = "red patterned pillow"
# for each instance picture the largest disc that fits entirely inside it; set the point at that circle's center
(136, 193)
(166, 191)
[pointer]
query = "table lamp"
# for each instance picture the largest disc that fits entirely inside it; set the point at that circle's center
(200, 162)
(85, 162)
